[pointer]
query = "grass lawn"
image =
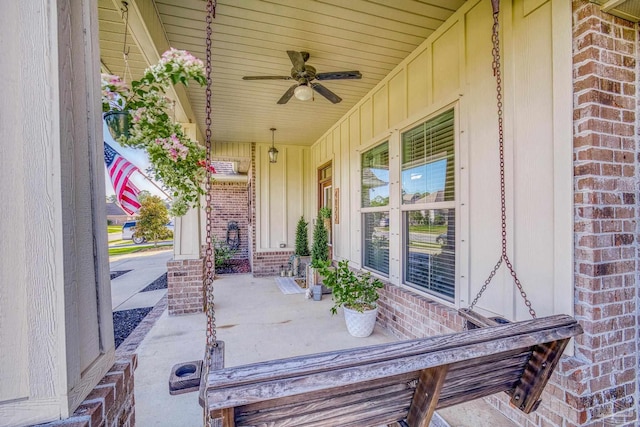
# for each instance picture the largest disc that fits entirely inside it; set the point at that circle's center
(432, 229)
(137, 248)
(127, 250)
(114, 228)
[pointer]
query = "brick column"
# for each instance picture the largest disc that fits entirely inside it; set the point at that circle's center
(606, 208)
(111, 402)
(185, 282)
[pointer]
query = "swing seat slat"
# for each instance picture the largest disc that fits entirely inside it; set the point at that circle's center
(402, 381)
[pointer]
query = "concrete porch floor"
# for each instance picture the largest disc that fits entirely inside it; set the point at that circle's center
(257, 322)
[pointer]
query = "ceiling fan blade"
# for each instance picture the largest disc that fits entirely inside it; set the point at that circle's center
(297, 59)
(288, 94)
(326, 93)
(339, 75)
(266, 78)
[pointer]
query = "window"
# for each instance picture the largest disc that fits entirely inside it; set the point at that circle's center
(375, 208)
(428, 205)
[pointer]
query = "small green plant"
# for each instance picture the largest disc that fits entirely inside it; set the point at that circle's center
(324, 213)
(320, 248)
(302, 239)
(355, 291)
(222, 252)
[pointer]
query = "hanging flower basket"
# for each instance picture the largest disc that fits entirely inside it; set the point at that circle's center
(118, 123)
(137, 116)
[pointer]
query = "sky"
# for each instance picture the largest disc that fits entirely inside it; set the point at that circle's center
(137, 157)
(429, 177)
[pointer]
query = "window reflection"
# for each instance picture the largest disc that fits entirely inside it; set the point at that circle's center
(376, 241)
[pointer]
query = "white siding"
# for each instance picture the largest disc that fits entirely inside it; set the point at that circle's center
(282, 195)
(453, 68)
(54, 283)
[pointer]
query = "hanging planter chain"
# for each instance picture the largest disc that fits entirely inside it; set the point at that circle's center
(209, 268)
(497, 72)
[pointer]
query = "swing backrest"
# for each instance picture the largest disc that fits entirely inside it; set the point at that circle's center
(383, 384)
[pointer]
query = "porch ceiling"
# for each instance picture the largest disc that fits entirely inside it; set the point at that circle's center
(251, 37)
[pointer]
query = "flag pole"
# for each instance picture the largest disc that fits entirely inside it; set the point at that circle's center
(154, 184)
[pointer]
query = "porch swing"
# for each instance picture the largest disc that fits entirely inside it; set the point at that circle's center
(395, 384)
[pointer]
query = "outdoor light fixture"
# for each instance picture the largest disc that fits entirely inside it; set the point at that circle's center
(303, 92)
(273, 152)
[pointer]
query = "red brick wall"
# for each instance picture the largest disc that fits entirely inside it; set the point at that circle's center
(111, 403)
(408, 315)
(185, 280)
(230, 203)
(268, 263)
(606, 208)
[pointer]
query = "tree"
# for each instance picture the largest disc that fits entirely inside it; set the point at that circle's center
(152, 220)
(320, 248)
(112, 199)
(143, 194)
(302, 239)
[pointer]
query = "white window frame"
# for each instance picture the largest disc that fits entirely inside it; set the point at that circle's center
(454, 204)
(374, 209)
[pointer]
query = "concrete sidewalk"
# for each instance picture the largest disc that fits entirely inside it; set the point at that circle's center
(145, 268)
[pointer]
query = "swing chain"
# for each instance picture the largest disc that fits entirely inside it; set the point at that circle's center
(497, 72)
(209, 264)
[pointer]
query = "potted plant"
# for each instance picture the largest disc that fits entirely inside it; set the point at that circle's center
(302, 241)
(325, 214)
(356, 294)
(319, 253)
(138, 115)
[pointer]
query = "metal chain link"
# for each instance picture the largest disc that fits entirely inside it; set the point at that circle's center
(125, 49)
(209, 268)
(497, 72)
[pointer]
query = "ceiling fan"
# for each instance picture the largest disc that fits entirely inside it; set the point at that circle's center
(305, 76)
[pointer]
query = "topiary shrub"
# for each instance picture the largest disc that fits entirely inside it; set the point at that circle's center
(302, 239)
(320, 248)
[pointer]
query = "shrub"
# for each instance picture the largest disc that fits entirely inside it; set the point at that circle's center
(302, 239)
(222, 252)
(320, 248)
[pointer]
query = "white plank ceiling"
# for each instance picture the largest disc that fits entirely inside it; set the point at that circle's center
(251, 37)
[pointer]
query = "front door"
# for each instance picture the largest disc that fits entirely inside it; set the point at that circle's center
(325, 192)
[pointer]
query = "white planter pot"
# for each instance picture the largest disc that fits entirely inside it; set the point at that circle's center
(360, 324)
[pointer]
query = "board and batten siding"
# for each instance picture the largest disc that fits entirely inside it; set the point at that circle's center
(56, 332)
(452, 69)
(282, 195)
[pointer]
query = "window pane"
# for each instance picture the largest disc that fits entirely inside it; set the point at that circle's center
(428, 161)
(430, 250)
(376, 241)
(375, 176)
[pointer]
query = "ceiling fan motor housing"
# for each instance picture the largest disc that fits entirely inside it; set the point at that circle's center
(307, 75)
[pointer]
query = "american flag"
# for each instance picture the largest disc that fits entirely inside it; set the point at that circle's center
(120, 169)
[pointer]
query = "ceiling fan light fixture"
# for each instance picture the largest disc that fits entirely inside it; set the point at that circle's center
(303, 92)
(273, 151)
